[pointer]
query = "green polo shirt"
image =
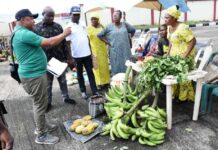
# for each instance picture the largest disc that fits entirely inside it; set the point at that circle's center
(29, 54)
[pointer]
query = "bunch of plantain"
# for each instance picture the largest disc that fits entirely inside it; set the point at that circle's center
(116, 105)
(118, 129)
(152, 125)
(84, 125)
(147, 124)
(128, 121)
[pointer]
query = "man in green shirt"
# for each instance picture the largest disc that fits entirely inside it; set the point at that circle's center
(32, 69)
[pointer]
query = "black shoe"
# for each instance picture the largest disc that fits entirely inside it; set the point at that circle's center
(70, 101)
(96, 94)
(106, 86)
(177, 101)
(48, 107)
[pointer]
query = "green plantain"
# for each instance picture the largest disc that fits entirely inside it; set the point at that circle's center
(134, 120)
(152, 128)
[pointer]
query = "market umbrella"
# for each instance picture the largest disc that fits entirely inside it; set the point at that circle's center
(157, 4)
(150, 4)
(160, 4)
(125, 5)
(181, 3)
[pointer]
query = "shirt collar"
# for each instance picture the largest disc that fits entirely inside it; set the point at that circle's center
(44, 24)
(18, 27)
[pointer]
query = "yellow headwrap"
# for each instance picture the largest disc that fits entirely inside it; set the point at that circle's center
(172, 11)
(95, 15)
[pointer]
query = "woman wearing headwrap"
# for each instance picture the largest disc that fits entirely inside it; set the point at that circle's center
(182, 42)
(99, 50)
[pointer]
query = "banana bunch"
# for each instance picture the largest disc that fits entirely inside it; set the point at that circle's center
(117, 129)
(146, 124)
(151, 125)
(115, 105)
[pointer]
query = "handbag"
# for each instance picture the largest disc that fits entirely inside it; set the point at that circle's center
(14, 66)
(96, 105)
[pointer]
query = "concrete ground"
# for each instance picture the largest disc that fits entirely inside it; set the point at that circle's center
(185, 134)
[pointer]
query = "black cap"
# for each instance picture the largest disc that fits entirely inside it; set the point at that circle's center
(25, 13)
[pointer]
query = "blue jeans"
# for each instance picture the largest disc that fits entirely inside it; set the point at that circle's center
(62, 84)
(87, 63)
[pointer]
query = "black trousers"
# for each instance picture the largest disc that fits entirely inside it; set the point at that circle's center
(87, 63)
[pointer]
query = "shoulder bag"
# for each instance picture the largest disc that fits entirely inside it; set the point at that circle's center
(14, 66)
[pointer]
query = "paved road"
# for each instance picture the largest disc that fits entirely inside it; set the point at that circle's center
(206, 33)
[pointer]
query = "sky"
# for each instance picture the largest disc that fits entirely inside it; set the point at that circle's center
(8, 8)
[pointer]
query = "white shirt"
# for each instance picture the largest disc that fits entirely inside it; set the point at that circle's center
(79, 40)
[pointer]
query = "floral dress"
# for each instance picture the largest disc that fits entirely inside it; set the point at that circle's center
(179, 40)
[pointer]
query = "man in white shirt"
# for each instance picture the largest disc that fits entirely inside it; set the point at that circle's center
(81, 51)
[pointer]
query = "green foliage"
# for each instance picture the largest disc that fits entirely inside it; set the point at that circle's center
(155, 70)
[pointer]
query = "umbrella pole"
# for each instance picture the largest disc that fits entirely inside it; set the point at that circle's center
(160, 16)
(85, 15)
(159, 19)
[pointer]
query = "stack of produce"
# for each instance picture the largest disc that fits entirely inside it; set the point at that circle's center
(156, 69)
(84, 125)
(147, 124)
(128, 121)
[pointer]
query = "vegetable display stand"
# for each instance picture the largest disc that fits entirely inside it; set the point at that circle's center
(170, 80)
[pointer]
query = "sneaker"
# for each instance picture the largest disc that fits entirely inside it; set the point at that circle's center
(48, 107)
(84, 95)
(46, 139)
(50, 128)
(70, 101)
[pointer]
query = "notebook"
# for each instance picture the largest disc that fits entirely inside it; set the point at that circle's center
(56, 67)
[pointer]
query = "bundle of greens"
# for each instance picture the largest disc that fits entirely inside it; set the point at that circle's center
(156, 69)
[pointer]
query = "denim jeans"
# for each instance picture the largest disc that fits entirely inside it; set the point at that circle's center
(36, 88)
(62, 84)
(87, 63)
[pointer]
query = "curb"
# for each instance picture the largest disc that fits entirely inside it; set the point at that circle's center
(191, 26)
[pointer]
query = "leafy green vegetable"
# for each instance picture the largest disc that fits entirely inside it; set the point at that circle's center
(155, 70)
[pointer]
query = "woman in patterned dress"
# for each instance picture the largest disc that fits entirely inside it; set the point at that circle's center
(116, 35)
(182, 42)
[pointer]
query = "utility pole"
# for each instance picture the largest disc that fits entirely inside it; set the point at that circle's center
(186, 14)
(214, 10)
(152, 17)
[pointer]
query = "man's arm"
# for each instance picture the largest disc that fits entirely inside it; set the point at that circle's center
(70, 59)
(52, 41)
